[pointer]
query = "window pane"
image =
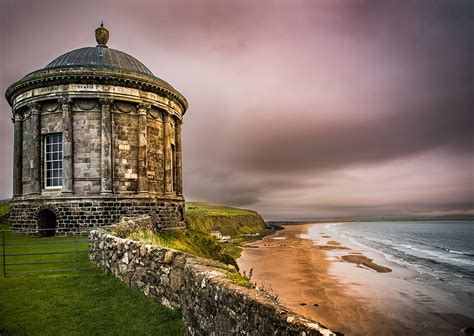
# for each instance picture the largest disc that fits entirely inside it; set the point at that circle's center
(53, 159)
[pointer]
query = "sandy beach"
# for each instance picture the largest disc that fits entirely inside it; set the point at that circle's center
(297, 271)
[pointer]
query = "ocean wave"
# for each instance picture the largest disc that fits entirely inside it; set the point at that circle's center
(470, 253)
(437, 255)
(388, 244)
(446, 249)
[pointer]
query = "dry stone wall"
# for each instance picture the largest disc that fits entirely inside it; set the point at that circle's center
(211, 303)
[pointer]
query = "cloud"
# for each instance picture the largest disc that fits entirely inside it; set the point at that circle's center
(291, 103)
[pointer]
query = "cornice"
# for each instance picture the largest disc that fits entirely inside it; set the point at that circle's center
(90, 75)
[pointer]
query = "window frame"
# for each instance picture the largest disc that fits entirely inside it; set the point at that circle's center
(46, 161)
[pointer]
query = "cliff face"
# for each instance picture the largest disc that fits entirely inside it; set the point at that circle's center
(212, 304)
(227, 220)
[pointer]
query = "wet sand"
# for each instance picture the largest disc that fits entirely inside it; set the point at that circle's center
(362, 260)
(297, 271)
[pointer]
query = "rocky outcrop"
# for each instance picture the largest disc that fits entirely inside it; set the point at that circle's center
(212, 304)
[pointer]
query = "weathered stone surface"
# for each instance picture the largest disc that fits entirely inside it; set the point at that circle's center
(77, 216)
(128, 225)
(211, 303)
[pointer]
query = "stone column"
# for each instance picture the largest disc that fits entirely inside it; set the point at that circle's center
(167, 183)
(18, 154)
(68, 150)
(35, 167)
(179, 159)
(142, 186)
(106, 147)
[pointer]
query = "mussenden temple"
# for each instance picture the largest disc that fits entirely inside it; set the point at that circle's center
(97, 137)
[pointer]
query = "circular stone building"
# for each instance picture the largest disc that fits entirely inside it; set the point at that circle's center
(97, 138)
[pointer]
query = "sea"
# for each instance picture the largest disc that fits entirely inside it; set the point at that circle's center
(432, 262)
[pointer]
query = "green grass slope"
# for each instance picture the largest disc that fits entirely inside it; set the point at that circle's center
(227, 220)
(76, 302)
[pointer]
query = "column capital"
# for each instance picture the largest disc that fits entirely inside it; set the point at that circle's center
(143, 108)
(105, 103)
(17, 116)
(166, 117)
(65, 102)
(34, 107)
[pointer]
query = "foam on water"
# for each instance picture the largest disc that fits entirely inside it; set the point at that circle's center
(442, 250)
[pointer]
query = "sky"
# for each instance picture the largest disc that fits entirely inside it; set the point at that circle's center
(297, 109)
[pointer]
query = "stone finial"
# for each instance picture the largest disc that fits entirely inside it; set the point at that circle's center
(101, 36)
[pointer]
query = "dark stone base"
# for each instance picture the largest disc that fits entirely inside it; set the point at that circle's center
(77, 216)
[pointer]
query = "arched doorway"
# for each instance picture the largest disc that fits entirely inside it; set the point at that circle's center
(46, 223)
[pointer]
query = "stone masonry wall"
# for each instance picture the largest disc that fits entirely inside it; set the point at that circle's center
(125, 149)
(86, 126)
(79, 216)
(155, 157)
(211, 303)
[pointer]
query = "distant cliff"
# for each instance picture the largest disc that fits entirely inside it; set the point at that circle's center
(227, 220)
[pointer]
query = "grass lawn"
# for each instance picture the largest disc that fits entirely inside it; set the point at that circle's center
(75, 302)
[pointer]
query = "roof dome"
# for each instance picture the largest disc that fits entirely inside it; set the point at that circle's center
(99, 57)
(96, 65)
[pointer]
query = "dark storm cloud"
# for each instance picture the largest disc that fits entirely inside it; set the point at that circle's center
(299, 145)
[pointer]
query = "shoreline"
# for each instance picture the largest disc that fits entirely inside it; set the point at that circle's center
(300, 271)
(295, 270)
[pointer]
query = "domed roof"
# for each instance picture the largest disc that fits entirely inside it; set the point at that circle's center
(99, 64)
(99, 56)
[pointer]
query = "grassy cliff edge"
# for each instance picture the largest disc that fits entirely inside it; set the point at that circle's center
(228, 221)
